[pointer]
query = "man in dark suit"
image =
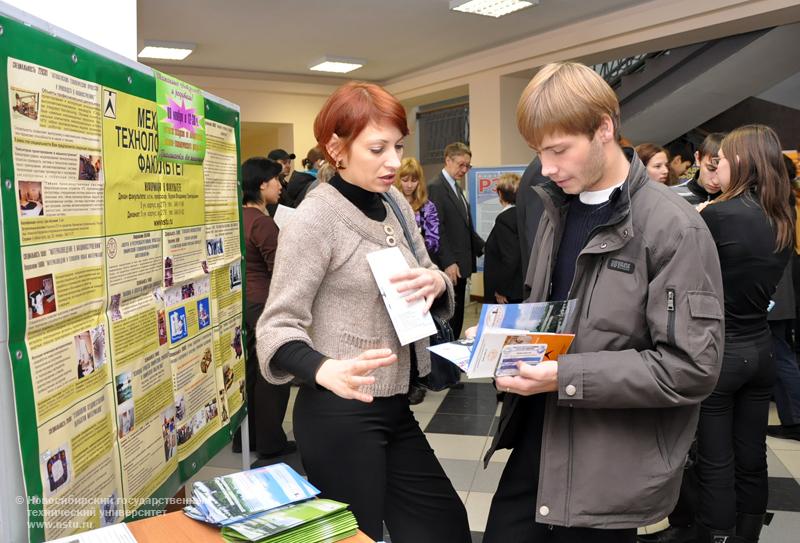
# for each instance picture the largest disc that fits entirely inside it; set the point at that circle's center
(460, 246)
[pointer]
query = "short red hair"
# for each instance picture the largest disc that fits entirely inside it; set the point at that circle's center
(351, 108)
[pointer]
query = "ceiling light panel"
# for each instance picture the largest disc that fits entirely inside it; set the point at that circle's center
(166, 50)
(336, 65)
(491, 8)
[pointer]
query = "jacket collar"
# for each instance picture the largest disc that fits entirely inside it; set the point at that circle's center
(695, 188)
(620, 198)
(621, 218)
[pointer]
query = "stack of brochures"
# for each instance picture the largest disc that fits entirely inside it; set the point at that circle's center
(313, 521)
(271, 504)
(231, 498)
(510, 334)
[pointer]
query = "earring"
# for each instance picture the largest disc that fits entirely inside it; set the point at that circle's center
(339, 165)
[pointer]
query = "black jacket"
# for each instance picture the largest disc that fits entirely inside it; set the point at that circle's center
(459, 244)
(502, 265)
(297, 187)
(692, 192)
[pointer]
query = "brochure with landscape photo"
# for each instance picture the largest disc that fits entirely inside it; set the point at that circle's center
(231, 498)
(509, 334)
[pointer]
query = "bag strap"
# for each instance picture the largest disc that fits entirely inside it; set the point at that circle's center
(399, 214)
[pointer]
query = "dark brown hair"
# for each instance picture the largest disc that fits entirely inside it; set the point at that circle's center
(756, 163)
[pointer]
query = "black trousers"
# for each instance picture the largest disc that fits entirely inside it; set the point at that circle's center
(376, 458)
(513, 512)
(266, 403)
(457, 320)
(731, 436)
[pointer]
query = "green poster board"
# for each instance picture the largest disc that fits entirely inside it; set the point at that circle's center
(123, 284)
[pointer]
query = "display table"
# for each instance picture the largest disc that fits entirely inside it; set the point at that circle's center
(178, 528)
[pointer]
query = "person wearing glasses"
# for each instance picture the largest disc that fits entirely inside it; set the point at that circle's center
(704, 186)
(460, 245)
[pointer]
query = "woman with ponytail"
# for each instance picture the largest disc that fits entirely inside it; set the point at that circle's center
(753, 226)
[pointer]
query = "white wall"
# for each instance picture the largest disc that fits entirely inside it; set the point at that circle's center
(109, 24)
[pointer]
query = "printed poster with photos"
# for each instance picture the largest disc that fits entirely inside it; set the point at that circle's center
(483, 202)
(124, 287)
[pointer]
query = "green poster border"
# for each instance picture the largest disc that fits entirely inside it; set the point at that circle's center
(23, 42)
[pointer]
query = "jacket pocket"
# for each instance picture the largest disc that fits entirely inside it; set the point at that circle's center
(705, 326)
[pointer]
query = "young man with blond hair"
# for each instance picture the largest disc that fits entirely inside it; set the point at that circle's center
(601, 434)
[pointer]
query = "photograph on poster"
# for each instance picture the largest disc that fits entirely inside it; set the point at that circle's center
(113, 307)
(185, 433)
(162, 328)
(236, 275)
(223, 403)
(187, 291)
(237, 341)
(109, 510)
(124, 387)
(227, 376)
(180, 407)
(57, 469)
(168, 433)
(26, 103)
(41, 295)
(84, 353)
(31, 200)
(98, 334)
(177, 325)
(210, 411)
(125, 418)
(90, 168)
(205, 362)
(214, 247)
(168, 272)
(203, 314)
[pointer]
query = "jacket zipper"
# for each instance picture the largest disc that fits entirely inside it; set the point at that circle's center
(671, 316)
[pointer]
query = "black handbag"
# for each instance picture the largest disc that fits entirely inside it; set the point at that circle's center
(444, 374)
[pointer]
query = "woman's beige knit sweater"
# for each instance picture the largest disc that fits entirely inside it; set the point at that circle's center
(323, 292)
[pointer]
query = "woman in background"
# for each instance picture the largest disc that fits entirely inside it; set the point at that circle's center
(266, 403)
(301, 182)
(410, 181)
(502, 265)
(753, 224)
(656, 161)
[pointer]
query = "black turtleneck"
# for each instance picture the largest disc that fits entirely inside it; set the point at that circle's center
(370, 203)
(296, 357)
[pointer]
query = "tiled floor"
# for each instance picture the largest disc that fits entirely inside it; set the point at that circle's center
(458, 424)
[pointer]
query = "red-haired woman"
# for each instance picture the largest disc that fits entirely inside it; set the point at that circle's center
(326, 324)
(753, 226)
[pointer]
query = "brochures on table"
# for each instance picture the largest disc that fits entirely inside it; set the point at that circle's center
(232, 498)
(308, 522)
(509, 334)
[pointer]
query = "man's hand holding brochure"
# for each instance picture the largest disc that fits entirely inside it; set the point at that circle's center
(510, 335)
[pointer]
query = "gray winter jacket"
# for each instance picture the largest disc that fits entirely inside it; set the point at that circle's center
(648, 349)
